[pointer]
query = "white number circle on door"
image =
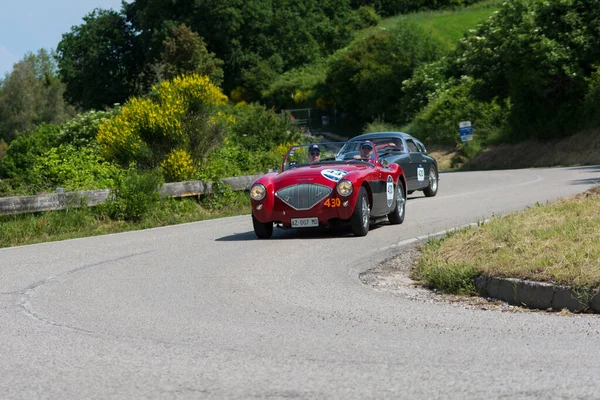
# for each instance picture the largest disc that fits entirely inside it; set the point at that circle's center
(420, 174)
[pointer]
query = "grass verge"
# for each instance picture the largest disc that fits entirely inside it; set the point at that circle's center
(580, 149)
(557, 242)
(22, 229)
(448, 26)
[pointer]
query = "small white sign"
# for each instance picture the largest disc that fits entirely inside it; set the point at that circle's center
(390, 191)
(420, 174)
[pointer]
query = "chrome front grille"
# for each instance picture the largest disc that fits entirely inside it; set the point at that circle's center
(303, 196)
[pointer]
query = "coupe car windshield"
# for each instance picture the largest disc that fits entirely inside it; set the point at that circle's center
(327, 153)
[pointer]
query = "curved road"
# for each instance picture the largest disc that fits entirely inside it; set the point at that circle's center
(204, 310)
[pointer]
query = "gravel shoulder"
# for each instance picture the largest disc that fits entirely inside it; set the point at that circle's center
(392, 276)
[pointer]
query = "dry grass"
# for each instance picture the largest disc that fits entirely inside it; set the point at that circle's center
(580, 149)
(3, 147)
(443, 156)
(557, 242)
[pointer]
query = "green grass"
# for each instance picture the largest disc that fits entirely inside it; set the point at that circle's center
(446, 26)
(557, 243)
(22, 229)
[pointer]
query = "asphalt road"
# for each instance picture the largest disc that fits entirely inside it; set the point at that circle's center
(204, 310)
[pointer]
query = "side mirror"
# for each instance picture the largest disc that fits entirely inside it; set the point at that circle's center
(385, 163)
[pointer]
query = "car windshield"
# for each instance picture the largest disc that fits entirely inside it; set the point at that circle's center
(386, 145)
(328, 153)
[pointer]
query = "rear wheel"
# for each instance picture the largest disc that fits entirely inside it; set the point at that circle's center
(361, 216)
(432, 189)
(262, 230)
(397, 216)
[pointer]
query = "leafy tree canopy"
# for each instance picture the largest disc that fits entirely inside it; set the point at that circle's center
(99, 60)
(257, 40)
(31, 94)
(366, 79)
(539, 54)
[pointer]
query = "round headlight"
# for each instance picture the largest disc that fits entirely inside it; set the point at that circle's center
(257, 192)
(344, 188)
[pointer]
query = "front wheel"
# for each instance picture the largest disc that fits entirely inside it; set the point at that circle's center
(432, 189)
(262, 230)
(360, 217)
(397, 216)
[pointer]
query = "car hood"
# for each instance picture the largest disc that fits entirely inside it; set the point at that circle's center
(323, 174)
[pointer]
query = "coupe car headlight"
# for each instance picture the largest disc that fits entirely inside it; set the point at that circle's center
(258, 192)
(344, 188)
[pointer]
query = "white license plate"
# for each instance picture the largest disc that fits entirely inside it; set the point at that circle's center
(305, 222)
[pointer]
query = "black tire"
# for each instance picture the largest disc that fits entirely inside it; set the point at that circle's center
(361, 217)
(432, 189)
(397, 216)
(262, 230)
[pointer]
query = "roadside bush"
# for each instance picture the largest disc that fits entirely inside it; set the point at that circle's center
(380, 126)
(438, 122)
(538, 54)
(367, 17)
(308, 78)
(592, 100)
(26, 150)
(258, 141)
(71, 168)
(258, 128)
(182, 115)
(83, 128)
(366, 79)
(22, 152)
(418, 91)
(134, 196)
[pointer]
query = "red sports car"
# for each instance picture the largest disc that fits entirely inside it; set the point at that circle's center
(327, 183)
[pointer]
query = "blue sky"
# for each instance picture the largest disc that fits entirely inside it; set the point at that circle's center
(29, 25)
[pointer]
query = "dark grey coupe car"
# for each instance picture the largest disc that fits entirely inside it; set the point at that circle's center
(401, 148)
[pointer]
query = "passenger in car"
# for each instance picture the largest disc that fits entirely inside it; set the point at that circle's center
(366, 149)
(314, 153)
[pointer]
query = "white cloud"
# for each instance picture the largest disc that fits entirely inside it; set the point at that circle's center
(7, 59)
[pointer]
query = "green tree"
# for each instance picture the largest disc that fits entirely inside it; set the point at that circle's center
(257, 39)
(184, 52)
(366, 79)
(99, 60)
(539, 55)
(31, 94)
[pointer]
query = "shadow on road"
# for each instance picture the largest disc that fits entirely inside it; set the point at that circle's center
(306, 233)
(589, 181)
(591, 168)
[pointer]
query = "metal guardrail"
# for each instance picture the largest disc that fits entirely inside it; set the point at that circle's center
(62, 201)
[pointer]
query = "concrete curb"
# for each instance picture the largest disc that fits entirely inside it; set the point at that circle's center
(538, 295)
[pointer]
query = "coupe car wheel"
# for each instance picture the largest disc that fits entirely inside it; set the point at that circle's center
(433, 183)
(262, 230)
(361, 216)
(397, 216)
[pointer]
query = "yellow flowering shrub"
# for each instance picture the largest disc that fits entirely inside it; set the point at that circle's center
(190, 91)
(301, 96)
(183, 113)
(178, 166)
